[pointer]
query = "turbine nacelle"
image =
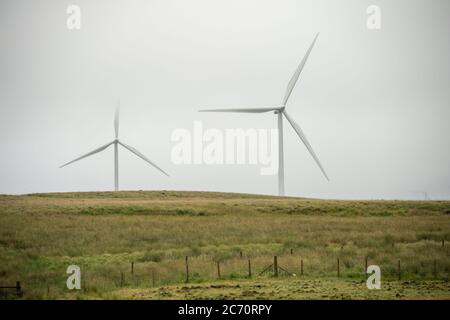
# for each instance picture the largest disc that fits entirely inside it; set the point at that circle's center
(279, 110)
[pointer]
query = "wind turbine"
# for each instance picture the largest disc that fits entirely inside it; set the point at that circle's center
(116, 143)
(280, 111)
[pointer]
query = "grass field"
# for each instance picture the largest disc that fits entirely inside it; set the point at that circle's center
(103, 233)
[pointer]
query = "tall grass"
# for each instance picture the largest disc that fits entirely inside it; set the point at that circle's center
(40, 235)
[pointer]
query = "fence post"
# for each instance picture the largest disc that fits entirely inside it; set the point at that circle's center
(443, 241)
(435, 269)
(218, 269)
(399, 270)
(366, 264)
(292, 252)
(132, 268)
(153, 277)
(187, 270)
(301, 267)
(275, 266)
(240, 254)
(338, 268)
(249, 269)
(18, 287)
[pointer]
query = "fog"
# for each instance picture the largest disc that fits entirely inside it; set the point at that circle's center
(374, 104)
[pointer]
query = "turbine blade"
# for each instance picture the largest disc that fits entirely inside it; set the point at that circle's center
(243, 110)
(140, 155)
(89, 154)
(302, 137)
(116, 120)
(297, 72)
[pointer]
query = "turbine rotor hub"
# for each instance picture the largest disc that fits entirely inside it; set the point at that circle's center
(279, 110)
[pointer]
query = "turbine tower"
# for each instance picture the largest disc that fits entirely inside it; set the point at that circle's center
(116, 142)
(280, 111)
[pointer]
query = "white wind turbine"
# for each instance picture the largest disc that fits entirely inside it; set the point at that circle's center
(116, 143)
(280, 111)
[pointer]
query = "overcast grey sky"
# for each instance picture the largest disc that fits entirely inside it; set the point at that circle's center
(375, 104)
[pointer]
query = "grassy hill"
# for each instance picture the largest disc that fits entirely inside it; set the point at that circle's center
(104, 232)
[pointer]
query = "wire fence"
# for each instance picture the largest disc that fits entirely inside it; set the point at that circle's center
(204, 268)
(201, 269)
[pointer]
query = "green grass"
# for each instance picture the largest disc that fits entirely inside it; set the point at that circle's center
(285, 288)
(103, 232)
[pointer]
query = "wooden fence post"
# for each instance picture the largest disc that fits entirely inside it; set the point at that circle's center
(292, 252)
(132, 268)
(240, 254)
(338, 274)
(18, 288)
(301, 267)
(435, 269)
(218, 269)
(366, 265)
(187, 270)
(249, 269)
(443, 242)
(153, 277)
(275, 266)
(399, 270)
